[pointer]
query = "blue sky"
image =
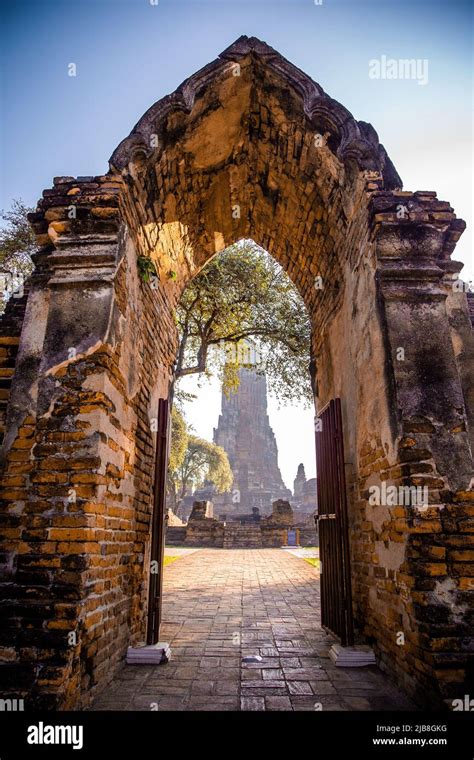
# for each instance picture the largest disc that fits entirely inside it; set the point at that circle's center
(129, 53)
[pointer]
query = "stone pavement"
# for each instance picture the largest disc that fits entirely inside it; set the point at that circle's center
(222, 606)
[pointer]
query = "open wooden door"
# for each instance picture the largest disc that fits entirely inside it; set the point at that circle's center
(336, 594)
(158, 523)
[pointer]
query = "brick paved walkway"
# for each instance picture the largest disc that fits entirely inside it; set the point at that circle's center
(222, 606)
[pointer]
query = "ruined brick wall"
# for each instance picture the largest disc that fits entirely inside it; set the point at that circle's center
(399, 349)
(415, 594)
(78, 455)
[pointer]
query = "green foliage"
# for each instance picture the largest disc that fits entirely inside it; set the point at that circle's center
(17, 240)
(17, 244)
(201, 461)
(179, 440)
(244, 296)
(182, 397)
(205, 461)
(146, 268)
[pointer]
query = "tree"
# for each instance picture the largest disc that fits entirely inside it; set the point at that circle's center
(17, 244)
(203, 461)
(178, 447)
(243, 299)
(179, 439)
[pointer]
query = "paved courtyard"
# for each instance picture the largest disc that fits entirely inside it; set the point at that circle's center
(244, 631)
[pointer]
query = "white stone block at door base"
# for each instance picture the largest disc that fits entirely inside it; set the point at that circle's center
(351, 657)
(152, 654)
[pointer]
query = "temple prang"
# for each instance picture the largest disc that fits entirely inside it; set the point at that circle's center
(245, 433)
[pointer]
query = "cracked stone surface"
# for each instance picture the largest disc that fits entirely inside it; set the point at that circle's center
(222, 605)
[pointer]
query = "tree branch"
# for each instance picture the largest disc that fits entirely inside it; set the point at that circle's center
(200, 366)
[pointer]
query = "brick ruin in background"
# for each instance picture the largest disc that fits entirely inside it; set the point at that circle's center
(203, 529)
(97, 346)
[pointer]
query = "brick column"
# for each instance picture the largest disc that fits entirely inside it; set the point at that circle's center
(414, 236)
(54, 477)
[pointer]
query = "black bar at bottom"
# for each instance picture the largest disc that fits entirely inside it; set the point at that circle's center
(121, 734)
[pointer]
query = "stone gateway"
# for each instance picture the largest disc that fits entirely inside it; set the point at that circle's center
(94, 347)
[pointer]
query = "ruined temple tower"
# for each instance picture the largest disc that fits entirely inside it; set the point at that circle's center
(299, 482)
(244, 432)
(304, 494)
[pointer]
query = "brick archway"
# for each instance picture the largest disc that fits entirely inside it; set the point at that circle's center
(247, 147)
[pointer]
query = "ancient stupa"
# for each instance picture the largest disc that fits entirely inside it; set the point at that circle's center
(244, 432)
